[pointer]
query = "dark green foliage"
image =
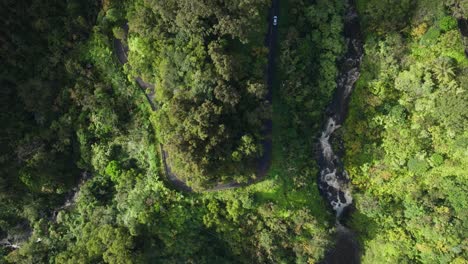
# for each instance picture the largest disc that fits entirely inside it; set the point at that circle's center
(67, 107)
(309, 52)
(208, 62)
(382, 16)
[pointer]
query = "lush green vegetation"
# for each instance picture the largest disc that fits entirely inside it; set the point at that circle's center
(406, 136)
(75, 109)
(69, 107)
(38, 147)
(208, 61)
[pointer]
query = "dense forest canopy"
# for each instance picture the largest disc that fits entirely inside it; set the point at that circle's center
(208, 61)
(408, 157)
(83, 178)
(39, 148)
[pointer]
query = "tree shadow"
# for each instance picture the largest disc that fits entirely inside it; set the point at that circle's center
(352, 230)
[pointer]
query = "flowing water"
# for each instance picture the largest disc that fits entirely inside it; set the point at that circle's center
(333, 181)
(71, 196)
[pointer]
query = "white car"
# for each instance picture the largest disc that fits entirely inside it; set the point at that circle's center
(275, 20)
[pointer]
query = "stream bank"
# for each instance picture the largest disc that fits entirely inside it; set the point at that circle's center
(333, 180)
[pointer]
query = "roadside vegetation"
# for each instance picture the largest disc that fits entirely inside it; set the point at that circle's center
(77, 109)
(69, 107)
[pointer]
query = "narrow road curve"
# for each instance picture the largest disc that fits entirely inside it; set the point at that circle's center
(264, 161)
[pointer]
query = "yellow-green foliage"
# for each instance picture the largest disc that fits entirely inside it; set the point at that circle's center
(407, 140)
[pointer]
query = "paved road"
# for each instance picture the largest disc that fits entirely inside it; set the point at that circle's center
(178, 183)
(264, 161)
(121, 51)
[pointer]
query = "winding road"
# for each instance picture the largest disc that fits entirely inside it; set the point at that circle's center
(264, 161)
